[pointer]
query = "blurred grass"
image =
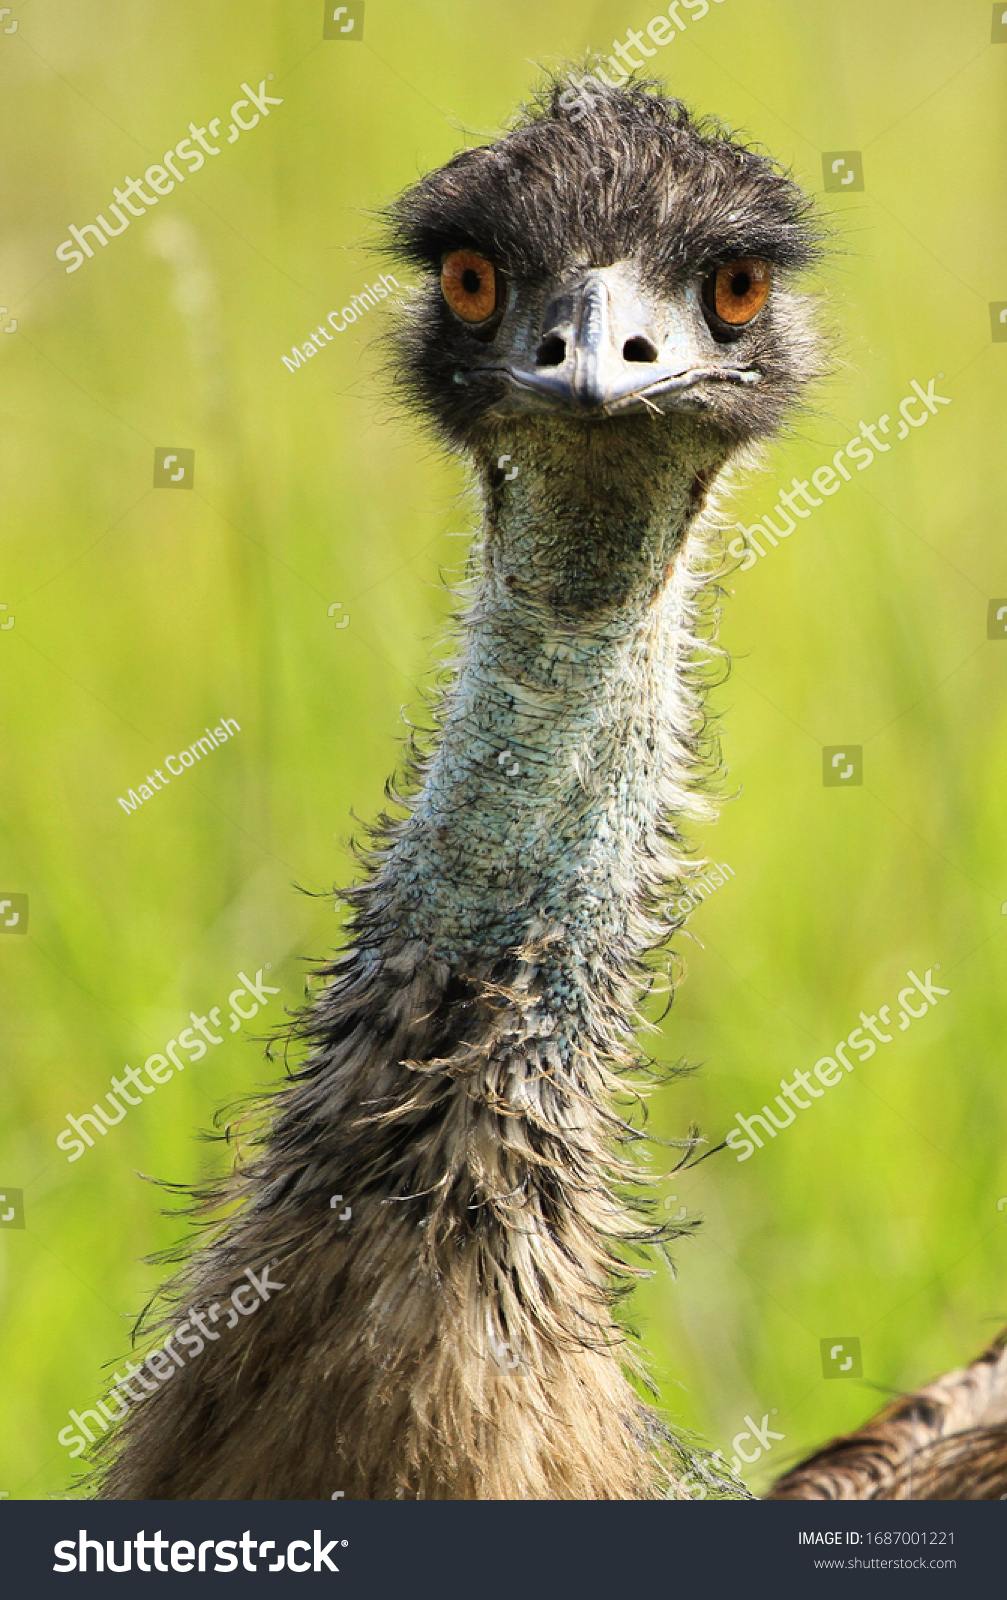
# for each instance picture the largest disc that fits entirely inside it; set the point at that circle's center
(141, 616)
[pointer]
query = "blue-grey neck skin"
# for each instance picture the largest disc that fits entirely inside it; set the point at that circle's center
(562, 747)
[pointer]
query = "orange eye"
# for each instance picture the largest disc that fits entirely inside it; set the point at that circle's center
(469, 285)
(740, 289)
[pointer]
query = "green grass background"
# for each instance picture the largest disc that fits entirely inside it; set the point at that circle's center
(141, 615)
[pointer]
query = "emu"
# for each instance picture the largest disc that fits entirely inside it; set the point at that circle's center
(609, 320)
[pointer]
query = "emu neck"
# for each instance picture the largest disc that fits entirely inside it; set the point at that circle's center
(540, 814)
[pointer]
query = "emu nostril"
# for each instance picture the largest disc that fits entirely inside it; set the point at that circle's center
(638, 350)
(551, 352)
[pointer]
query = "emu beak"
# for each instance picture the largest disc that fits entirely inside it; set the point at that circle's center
(603, 349)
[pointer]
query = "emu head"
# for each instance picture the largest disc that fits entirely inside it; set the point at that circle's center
(608, 301)
(616, 261)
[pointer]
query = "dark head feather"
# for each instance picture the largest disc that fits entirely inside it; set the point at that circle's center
(620, 175)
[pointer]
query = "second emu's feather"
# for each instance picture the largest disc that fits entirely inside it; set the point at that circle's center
(606, 319)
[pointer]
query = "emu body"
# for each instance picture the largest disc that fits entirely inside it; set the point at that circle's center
(948, 1441)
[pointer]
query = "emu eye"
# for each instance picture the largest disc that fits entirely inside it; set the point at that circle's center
(469, 285)
(738, 290)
